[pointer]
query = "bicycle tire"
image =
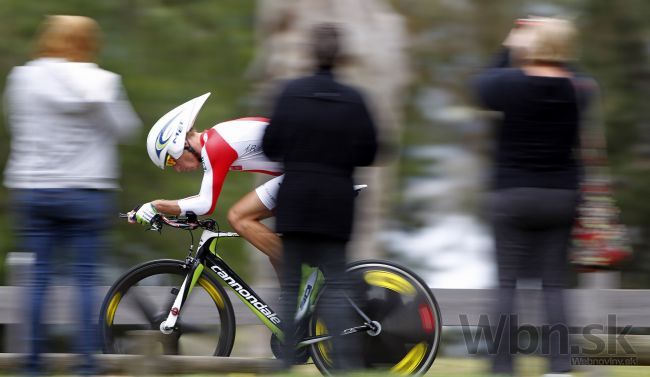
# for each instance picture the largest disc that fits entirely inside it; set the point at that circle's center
(407, 311)
(140, 300)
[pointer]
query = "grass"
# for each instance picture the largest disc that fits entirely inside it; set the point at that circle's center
(457, 367)
(473, 367)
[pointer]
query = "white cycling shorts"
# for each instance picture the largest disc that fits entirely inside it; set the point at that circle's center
(268, 192)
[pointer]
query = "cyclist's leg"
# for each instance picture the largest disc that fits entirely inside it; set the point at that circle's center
(245, 217)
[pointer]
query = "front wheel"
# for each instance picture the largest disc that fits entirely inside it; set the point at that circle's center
(140, 300)
(407, 312)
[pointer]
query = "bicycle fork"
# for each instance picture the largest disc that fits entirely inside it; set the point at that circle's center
(167, 326)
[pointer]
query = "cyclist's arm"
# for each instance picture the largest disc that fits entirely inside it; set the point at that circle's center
(167, 207)
(218, 156)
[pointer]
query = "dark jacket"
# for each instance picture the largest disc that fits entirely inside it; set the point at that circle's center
(320, 130)
(539, 134)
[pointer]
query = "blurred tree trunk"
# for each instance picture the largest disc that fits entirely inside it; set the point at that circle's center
(374, 40)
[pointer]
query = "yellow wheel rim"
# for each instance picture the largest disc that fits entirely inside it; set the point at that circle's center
(112, 307)
(324, 347)
(212, 291)
(410, 362)
(389, 280)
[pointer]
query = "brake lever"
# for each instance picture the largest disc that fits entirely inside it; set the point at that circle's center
(155, 228)
(156, 224)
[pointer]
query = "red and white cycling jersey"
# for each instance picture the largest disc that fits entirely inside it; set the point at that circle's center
(234, 145)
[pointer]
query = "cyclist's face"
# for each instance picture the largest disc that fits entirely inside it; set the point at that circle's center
(187, 162)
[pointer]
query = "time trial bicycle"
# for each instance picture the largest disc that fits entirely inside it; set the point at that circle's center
(185, 303)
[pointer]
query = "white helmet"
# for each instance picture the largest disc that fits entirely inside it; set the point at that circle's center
(167, 136)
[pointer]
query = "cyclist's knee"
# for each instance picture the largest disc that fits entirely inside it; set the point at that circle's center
(238, 221)
(234, 217)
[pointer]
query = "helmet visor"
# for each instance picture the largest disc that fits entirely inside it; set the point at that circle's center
(170, 161)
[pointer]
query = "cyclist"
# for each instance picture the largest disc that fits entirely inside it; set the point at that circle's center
(234, 145)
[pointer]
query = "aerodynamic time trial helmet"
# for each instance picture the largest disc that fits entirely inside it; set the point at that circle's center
(167, 136)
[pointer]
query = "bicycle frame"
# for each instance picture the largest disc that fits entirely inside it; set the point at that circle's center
(207, 257)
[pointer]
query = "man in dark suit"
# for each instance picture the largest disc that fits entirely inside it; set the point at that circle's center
(320, 130)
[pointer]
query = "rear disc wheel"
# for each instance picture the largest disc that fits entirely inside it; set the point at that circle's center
(406, 311)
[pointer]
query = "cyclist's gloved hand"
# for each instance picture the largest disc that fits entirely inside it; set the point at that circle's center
(145, 214)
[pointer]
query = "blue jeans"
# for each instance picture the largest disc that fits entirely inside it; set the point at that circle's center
(69, 223)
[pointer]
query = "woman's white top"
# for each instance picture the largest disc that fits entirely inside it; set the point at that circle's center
(66, 119)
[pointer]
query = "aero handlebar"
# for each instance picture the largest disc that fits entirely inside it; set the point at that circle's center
(189, 222)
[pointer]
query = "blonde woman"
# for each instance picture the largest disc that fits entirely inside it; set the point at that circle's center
(536, 175)
(66, 116)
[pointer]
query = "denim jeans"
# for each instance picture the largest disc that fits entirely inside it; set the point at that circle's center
(59, 225)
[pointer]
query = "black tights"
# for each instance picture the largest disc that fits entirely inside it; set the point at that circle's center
(532, 228)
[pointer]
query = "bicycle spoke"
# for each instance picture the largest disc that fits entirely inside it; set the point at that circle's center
(358, 310)
(196, 329)
(146, 307)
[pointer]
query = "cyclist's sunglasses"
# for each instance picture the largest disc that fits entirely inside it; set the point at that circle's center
(171, 161)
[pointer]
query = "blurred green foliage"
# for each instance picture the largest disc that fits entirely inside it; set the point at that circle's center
(452, 40)
(167, 51)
